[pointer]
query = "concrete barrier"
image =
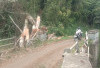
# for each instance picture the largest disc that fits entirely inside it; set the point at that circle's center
(94, 46)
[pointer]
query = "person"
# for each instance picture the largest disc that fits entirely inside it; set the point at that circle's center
(78, 33)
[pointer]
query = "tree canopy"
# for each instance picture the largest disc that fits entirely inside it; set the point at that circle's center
(60, 16)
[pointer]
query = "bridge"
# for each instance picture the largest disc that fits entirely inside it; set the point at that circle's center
(85, 56)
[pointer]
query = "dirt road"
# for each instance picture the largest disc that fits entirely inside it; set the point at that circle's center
(48, 56)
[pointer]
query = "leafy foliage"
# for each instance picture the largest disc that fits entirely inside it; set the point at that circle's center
(60, 16)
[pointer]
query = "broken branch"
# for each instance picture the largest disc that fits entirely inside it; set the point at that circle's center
(15, 23)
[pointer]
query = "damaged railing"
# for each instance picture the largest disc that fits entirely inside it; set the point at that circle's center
(74, 48)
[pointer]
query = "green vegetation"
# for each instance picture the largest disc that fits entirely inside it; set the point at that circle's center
(60, 16)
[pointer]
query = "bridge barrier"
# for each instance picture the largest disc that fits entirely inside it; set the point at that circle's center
(94, 47)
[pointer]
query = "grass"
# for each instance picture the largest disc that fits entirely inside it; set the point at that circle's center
(4, 43)
(56, 40)
(40, 43)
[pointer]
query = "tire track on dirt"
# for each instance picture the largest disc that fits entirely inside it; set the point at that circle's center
(48, 55)
(51, 58)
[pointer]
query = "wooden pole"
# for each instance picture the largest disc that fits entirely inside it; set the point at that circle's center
(15, 23)
(7, 39)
